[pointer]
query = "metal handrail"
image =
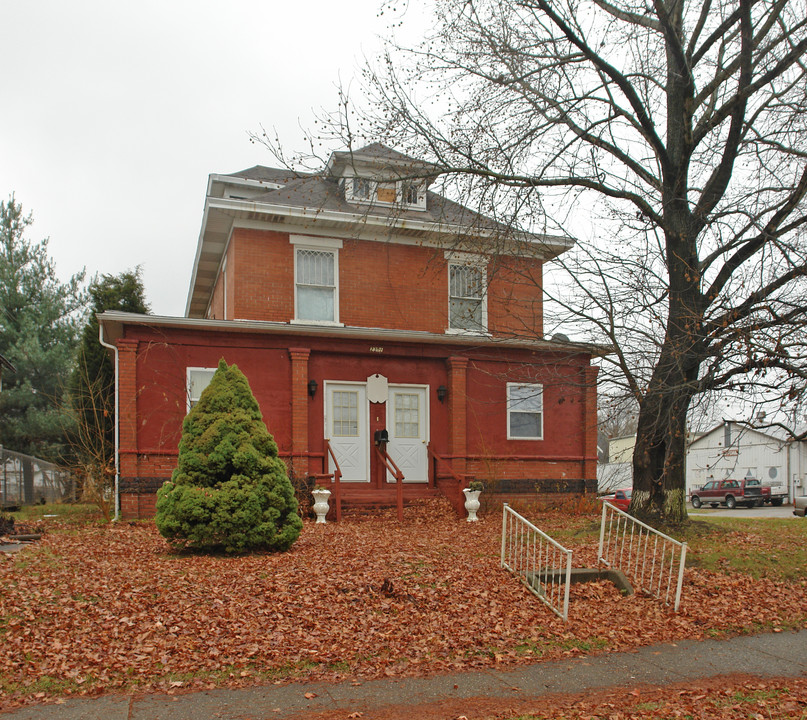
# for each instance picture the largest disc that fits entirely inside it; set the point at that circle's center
(337, 476)
(649, 564)
(389, 464)
(539, 561)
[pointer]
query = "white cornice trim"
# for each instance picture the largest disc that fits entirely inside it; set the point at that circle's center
(230, 180)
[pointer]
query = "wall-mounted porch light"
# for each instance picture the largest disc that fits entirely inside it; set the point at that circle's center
(442, 393)
(312, 388)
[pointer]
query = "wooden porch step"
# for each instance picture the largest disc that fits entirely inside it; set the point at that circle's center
(384, 497)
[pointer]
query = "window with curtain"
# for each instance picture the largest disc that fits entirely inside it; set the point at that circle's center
(316, 285)
(466, 298)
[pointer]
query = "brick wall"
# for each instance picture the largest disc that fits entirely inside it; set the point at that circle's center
(262, 279)
(381, 284)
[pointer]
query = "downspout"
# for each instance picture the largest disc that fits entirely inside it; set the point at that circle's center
(114, 348)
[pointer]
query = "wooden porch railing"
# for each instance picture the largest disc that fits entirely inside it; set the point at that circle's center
(337, 476)
(388, 465)
(438, 459)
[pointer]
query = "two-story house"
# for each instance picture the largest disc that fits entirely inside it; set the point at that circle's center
(363, 307)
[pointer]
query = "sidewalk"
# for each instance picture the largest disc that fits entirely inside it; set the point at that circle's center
(772, 655)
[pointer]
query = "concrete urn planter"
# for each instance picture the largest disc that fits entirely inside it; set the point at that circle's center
(471, 503)
(321, 504)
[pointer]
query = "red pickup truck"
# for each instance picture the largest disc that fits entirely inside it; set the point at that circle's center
(727, 492)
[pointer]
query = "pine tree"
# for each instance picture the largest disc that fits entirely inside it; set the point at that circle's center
(39, 321)
(230, 489)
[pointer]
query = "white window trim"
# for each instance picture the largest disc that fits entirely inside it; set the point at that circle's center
(188, 371)
(426, 410)
(349, 194)
(420, 202)
(224, 286)
(478, 262)
(539, 389)
(314, 242)
(396, 185)
(325, 388)
(319, 244)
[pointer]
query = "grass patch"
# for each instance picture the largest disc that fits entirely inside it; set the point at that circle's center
(538, 648)
(774, 548)
(38, 557)
(77, 513)
(44, 684)
(756, 695)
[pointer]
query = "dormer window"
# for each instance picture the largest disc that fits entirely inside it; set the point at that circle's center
(409, 194)
(362, 188)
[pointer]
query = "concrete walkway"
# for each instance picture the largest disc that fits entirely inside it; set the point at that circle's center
(772, 655)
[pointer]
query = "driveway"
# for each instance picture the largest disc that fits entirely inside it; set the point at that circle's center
(766, 511)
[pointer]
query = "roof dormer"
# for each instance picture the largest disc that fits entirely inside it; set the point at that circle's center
(378, 175)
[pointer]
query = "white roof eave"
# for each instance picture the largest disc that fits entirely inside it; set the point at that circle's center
(551, 247)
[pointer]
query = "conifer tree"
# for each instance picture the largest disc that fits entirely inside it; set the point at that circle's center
(230, 489)
(40, 317)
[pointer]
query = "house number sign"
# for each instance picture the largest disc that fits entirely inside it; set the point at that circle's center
(376, 349)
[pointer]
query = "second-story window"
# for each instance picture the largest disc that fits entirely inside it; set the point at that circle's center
(466, 298)
(316, 298)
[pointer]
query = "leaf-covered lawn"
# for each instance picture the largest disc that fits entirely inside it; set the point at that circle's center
(110, 608)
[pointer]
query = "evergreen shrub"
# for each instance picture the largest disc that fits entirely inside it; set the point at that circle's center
(230, 490)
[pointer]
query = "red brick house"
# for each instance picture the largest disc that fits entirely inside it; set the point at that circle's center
(357, 301)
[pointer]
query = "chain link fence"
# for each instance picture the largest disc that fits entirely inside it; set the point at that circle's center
(26, 480)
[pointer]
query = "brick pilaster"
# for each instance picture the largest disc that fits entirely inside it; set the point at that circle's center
(458, 412)
(127, 404)
(590, 423)
(299, 410)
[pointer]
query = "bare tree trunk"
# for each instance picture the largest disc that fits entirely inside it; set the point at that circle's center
(659, 459)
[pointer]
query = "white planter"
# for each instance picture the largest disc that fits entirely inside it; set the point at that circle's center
(472, 503)
(321, 504)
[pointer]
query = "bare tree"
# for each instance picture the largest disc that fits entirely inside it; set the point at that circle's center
(92, 396)
(687, 124)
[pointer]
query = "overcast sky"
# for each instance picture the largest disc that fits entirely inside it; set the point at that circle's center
(115, 113)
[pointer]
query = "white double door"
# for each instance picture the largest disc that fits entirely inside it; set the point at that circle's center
(347, 427)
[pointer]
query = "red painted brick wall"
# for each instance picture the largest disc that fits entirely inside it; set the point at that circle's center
(469, 429)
